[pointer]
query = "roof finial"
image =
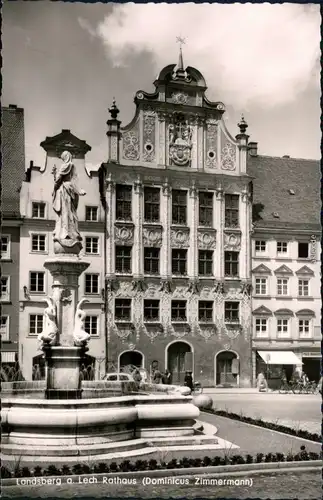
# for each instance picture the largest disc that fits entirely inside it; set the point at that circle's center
(114, 109)
(181, 41)
(243, 125)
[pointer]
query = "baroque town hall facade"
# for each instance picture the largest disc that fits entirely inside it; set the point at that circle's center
(178, 208)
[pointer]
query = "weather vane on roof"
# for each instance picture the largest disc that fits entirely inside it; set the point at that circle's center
(181, 40)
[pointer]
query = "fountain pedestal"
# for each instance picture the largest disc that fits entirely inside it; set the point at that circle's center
(63, 361)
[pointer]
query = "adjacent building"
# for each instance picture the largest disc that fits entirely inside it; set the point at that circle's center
(178, 198)
(12, 175)
(286, 302)
(36, 245)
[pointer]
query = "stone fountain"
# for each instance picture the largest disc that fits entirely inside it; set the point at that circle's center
(60, 423)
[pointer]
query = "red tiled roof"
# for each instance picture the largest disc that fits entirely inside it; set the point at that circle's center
(287, 187)
(13, 159)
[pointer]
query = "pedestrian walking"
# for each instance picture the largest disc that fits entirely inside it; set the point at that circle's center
(188, 380)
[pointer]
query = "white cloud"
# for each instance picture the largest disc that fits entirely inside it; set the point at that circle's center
(261, 53)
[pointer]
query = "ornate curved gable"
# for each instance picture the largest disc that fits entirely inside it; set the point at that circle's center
(178, 127)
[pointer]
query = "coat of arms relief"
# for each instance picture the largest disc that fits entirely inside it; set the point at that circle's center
(180, 141)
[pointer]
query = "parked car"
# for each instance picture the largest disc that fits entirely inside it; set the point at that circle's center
(118, 377)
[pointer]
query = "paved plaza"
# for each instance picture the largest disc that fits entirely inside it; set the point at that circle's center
(300, 411)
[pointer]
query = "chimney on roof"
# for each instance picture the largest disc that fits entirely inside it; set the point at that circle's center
(286, 156)
(253, 148)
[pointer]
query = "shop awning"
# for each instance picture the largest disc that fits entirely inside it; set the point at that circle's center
(280, 358)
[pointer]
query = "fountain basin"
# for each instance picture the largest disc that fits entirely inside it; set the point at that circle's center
(34, 423)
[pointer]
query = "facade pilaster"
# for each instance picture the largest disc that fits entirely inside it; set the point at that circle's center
(165, 257)
(137, 215)
(162, 138)
(245, 235)
(219, 225)
(110, 215)
(193, 217)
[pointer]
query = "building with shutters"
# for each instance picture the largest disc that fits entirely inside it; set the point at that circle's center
(178, 222)
(286, 303)
(12, 175)
(36, 245)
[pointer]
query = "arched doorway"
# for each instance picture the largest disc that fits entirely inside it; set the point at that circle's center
(130, 359)
(179, 360)
(227, 369)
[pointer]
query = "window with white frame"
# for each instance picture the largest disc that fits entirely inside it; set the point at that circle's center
(282, 286)
(282, 327)
(5, 247)
(91, 214)
(91, 284)
(91, 325)
(36, 324)
(282, 248)
(304, 328)
(260, 246)
(91, 245)
(261, 327)
(4, 328)
(38, 210)
(261, 286)
(303, 288)
(38, 242)
(5, 288)
(37, 282)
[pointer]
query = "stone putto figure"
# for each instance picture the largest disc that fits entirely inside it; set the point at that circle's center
(49, 335)
(80, 336)
(67, 238)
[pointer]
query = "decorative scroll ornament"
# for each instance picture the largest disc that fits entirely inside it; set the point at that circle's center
(228, 157)
(211, 143)
(180, 142)
(179, 330)
(179, 238)
(227, 347)
(131, 144)
(149, 135)
(206, 331)
(313, 251)
(219, 287)
(153, 331)
(80, 336)
(232, 331)
(232, 241)
(112, 285)
(123, 331)
(166, 285)
(180, 97)
(139, 285)
(114, 147)
(246, 288)
(152, 237)
(49, 335)
(206, 239)
(194, 286)
(124, 234)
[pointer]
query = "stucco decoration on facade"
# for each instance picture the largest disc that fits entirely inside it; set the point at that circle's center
(180, 97)
(66, 236)
(206, 239)
(211, 142)
(313, 250)
(131, 141)
(228, 157)
(152, 237)
(125, 289)
(180, 238)
(179, 330)
(153, 331)
(124, 234)
(149, 135)
(123, 331)
(180, 141)
(232, 241)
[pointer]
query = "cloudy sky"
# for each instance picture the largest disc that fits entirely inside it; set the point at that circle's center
(64, 62)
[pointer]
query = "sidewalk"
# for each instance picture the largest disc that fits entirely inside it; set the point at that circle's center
(231, 390)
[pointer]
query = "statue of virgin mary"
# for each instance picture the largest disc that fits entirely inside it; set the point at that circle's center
(67, 238)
